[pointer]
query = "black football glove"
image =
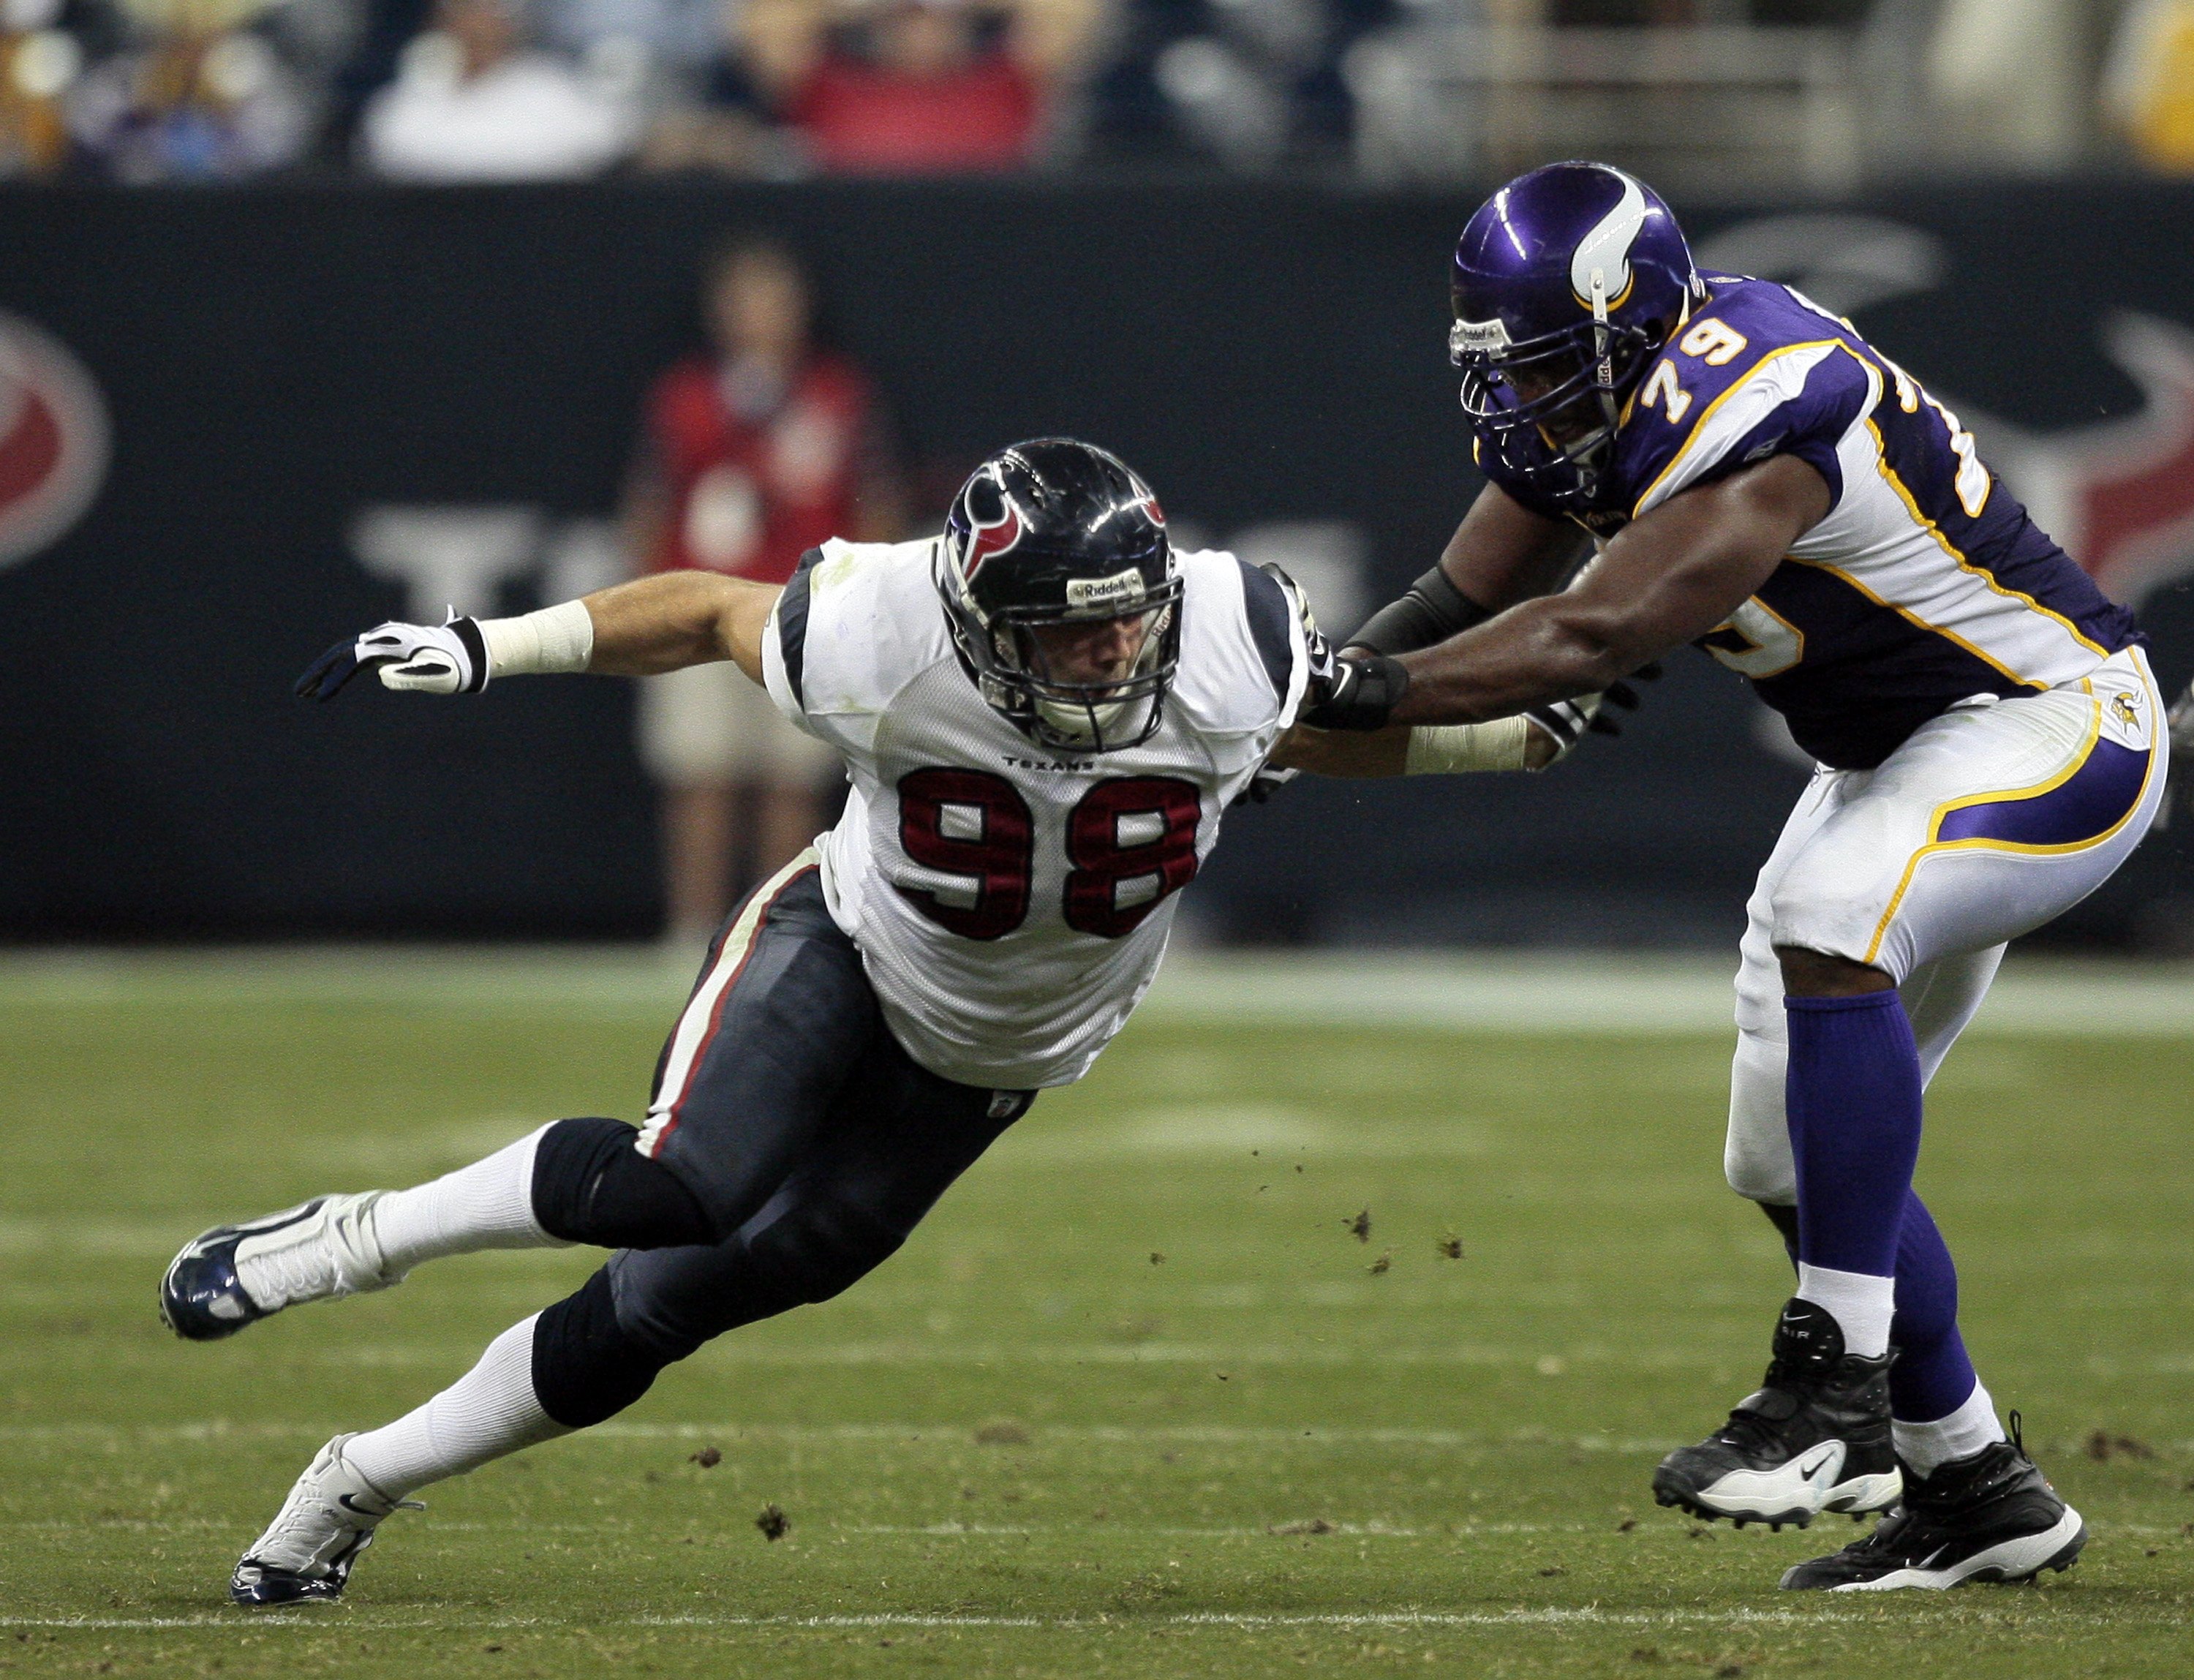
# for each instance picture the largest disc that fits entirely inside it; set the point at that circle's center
(1568, 721)
(449, 658)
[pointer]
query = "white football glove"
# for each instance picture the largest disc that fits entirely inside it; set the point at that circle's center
(1568, 721)
(450, 658)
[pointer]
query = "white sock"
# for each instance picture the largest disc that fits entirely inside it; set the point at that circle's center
(487, 1204)
(1960, 1436)
(488, 1411)
(1861, 1303)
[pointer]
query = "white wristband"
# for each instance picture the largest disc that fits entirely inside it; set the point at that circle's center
(553, 640)
(1502, 744)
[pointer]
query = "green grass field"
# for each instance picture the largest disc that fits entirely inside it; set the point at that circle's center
(1135, 1401)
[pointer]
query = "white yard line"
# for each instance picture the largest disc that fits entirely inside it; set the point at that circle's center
(346, 1620)
(726, 1432)
(1566, 993)
(956, 1435)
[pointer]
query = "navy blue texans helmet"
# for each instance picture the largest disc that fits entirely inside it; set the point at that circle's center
(1056, 532)
(1565, 283)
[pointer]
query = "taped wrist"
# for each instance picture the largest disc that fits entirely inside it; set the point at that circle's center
(590, 1185)
(1432, 611)
(1502, 744)
(554, 641)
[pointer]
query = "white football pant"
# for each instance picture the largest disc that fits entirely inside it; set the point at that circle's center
(1992, 821)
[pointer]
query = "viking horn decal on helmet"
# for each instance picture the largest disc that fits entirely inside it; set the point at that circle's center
(1607, 247)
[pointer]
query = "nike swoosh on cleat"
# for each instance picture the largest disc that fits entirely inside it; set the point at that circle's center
(351, 1504)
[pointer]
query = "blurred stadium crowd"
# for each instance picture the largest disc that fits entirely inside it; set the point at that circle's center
(1707, 95)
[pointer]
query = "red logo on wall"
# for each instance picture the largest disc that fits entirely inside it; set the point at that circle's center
(53, 440)
(2120, 496)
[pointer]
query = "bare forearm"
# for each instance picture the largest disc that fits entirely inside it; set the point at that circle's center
(678, 618)
(1541, 650)
(1326, 752)
(1666, 579)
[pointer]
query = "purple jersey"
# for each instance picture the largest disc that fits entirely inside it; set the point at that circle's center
(1925, 584)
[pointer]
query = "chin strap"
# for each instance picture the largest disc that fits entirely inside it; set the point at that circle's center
(1602, 350)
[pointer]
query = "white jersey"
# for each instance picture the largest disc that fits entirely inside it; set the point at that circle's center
(1012, 902)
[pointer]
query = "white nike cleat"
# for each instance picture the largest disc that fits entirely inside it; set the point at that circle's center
(307, 1550)
(1991, 1517)
(237, 1274)
(1814, 1481)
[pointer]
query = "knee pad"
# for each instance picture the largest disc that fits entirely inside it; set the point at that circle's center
(585, 1367)
(590, 1185)
(1814, 909)
(1756, 1157)
(820, 1249)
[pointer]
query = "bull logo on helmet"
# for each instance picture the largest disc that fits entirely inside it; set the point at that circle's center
(999, 534)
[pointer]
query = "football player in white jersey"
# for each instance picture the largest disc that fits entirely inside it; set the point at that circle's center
(1043, 714)
(1760, 479)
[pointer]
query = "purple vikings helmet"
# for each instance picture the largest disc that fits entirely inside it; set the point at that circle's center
(1565, 282)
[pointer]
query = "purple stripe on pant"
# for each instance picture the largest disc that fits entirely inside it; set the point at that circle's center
(2085, 806)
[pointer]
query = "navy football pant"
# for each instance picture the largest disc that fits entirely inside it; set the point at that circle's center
(807, 1142)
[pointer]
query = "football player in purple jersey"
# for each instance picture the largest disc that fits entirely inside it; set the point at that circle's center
(1758, 480)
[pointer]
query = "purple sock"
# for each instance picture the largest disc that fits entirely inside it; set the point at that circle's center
(1853, 1100)
(1932, 1378)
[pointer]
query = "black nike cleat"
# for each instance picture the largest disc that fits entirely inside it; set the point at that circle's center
(1991, 1517)
(1814, 1438)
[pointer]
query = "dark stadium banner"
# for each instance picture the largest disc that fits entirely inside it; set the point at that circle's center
(235, 425)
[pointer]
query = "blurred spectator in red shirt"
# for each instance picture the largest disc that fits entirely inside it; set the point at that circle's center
(751, 455)
(913, 87)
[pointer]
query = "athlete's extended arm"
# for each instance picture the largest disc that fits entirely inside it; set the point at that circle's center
(1506, 743)
(678, 618)
(649, 626)
(1665, 579)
